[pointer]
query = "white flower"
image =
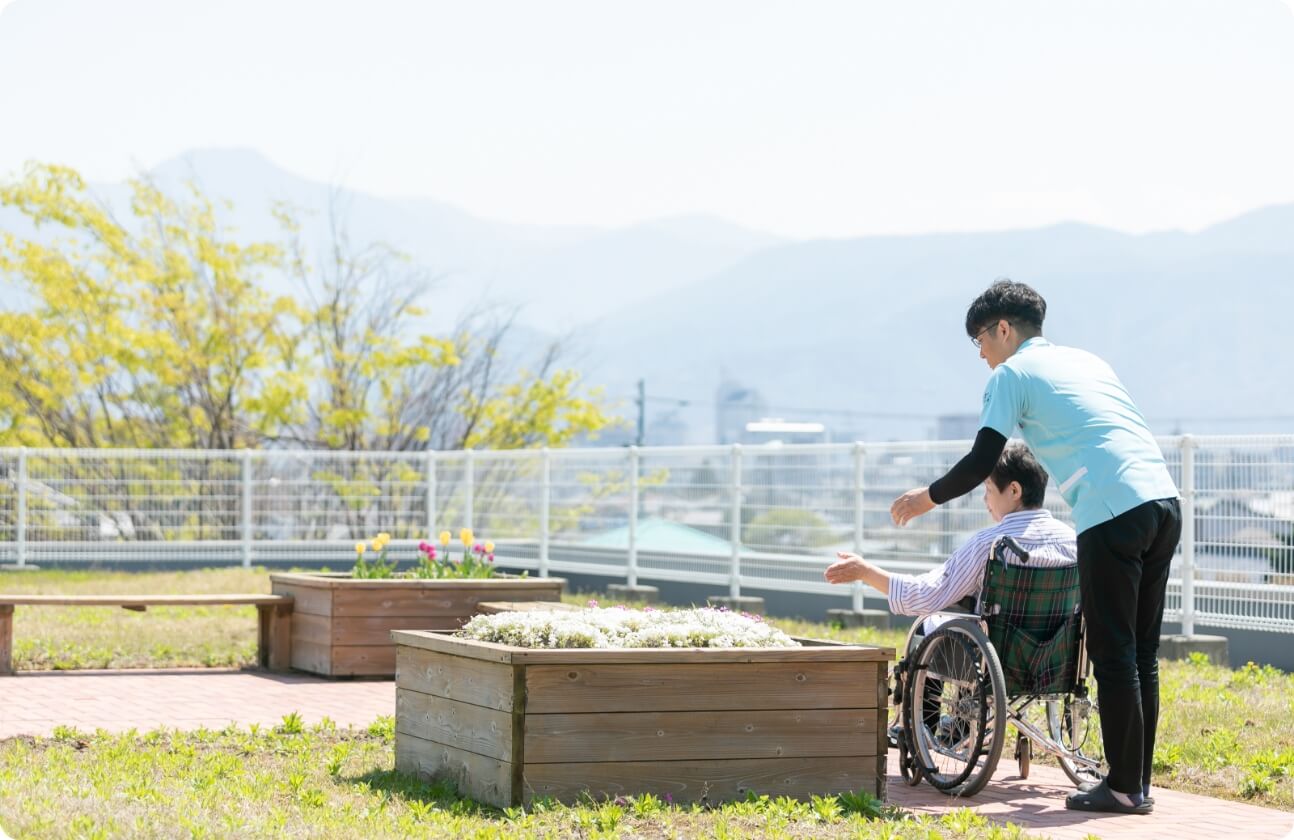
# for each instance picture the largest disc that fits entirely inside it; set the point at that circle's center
(621, 628)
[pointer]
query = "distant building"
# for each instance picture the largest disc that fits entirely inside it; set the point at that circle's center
(956, 426)
(776, 430)
(667, 429)
(655, 534)
(735, 406)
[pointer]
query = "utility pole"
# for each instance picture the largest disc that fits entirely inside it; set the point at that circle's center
(642, 410)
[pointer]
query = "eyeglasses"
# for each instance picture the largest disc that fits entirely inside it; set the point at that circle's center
(976, 341)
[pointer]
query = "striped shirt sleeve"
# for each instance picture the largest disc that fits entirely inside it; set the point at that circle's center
(960, 576)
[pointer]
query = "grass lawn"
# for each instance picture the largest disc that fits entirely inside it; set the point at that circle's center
(1225, 733)
(293, 781)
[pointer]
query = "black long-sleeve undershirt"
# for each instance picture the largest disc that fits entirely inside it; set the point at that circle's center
(967, 473)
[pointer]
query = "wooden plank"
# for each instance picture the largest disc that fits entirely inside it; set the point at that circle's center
(6, 639)
(310, 600)
(233, 599)
(445, 643)
(476, 729)
(376, 630)
(478, 777)
(455, 678)
(311, 629)
(363, 661)
(403, 601)
(360, 631)
(644, 656)
(262, 636)
(883, 715)
(527, 656)
(679, 736)
(279, 637)
(312, 657)
(882, 731)
(703, 781)
(518, 731)
(552, 689)
(336, 580)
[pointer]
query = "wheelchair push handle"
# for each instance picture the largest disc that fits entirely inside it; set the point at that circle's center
(1006, 543)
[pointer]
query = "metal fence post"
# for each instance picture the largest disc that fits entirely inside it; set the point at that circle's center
(857, 587)
(20, 532)
(247, 508)
(468, 489)
(1188, 535)
(545, 507)
(631, 575)
(431, 495)
(734, 574)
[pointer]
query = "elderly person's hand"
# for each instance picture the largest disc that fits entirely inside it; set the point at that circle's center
(848, 568)
(911, 505)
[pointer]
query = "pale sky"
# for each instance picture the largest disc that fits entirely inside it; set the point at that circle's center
(803, 118)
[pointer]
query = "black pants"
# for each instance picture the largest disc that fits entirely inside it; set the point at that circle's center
(1123, 566)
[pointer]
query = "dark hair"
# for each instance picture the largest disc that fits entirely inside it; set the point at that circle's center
(1005, 299)
(1018, 464)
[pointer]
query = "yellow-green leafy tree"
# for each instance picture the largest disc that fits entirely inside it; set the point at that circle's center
(153, 330)
(148, 332)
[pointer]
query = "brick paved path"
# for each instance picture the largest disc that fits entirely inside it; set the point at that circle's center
(34, 703)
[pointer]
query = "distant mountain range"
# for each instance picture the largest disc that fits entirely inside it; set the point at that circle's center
(1198, 325)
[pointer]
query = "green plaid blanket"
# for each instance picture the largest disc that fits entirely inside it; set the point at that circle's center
(1034, 623)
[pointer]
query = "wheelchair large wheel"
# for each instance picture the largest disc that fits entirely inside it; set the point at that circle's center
(956, 706)
(1075, 724)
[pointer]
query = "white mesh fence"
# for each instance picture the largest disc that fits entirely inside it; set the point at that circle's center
(744, 518)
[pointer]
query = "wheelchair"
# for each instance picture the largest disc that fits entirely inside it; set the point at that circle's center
(1016, 659)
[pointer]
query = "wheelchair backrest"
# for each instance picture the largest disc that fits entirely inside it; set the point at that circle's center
(1033, 619)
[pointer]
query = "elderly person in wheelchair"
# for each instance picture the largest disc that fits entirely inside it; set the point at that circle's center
(998, 642)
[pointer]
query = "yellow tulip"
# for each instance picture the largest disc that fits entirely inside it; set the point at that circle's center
(444, 538)
(377, 545)
(489, 548)
(466, 536)
(359, 547)
(384, 537)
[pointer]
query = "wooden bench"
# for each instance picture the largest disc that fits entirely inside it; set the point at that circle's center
(274, 643)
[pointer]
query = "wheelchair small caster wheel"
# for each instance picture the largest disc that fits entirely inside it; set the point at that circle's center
(1023, 754)
(909, 769)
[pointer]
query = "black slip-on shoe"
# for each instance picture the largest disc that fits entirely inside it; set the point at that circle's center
(1101, 798)
(1149, 800)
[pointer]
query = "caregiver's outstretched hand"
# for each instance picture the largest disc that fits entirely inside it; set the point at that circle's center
(911, 505)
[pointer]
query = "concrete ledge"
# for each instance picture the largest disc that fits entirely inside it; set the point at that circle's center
(14, 567)
(625, 592)
(1181, 647)
(747, 604)
(880, 619)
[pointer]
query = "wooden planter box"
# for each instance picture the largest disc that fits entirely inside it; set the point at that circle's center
(508, 725)
(342, 626)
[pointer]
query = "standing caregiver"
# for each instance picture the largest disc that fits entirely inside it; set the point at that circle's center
(1084, 428)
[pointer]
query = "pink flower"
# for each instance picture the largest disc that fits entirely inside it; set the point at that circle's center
(592, 603)
(491, 558)
(431, 552)
(423, 546)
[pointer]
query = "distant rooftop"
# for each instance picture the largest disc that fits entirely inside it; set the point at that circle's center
(655, 534)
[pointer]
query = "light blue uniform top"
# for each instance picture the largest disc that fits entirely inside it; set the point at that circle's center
(1082, 426)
